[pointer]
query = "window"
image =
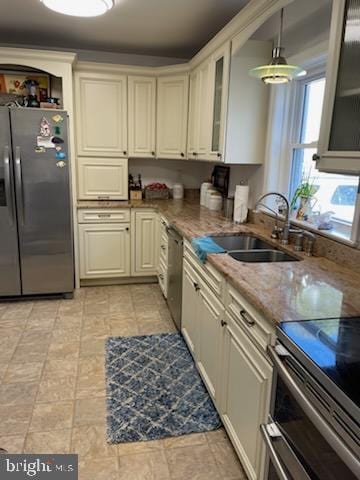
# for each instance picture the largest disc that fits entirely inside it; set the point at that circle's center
(314, 194)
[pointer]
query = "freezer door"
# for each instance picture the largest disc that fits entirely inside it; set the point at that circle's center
(9, 253)
(43, 205)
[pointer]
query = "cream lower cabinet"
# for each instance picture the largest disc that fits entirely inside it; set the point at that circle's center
(228, 339)
(210, 314)
(104, 250)
(144, 242)
(246, 390)
(201, 326)
(189, 317)
(103, 178)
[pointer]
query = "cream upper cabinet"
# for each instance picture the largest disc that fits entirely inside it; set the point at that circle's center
(199, 113)
(246, 391)
(102, 178)
(141, 116)
(144, 242)
(192, 137)
(339, 142)
(218, 93)
(104, 250)
(172, 110)
(247, 112)
(101, 114)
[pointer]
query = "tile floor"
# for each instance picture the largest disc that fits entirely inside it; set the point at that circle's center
(52, 387)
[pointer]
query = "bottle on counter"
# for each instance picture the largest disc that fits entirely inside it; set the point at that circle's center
(203, 192)
(178, 191)
(209, 192)
(215, 201)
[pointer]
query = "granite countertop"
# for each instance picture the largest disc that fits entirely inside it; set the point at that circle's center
(312, 288)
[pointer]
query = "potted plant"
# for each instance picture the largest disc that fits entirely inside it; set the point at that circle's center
(305, 194)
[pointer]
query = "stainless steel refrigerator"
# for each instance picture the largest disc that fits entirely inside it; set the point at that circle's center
(36, 238)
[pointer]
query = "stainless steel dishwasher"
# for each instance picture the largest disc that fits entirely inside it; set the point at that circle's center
(174, 297)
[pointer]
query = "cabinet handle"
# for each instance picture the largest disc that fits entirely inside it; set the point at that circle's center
(127, 229)
(163, 223)
(182, 154)
(247, 319)
(103, 197)
(104, 215)
(316, 157)
(153, 154)
(219, 155)
(161, 276)
(196, 286)
(124, 152)
(162, 247)
(194, 153)
(223, 323)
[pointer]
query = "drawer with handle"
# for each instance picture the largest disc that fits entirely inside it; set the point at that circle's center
(209, 273)
(104, 215)
(249, 319)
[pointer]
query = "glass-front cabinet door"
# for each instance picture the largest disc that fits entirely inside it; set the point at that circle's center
(339, 145)
(219, 83)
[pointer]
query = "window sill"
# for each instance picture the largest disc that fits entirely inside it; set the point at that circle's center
(337, 233)
(333, 234)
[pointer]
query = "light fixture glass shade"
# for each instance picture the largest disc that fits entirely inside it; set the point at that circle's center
(277, 71)
(277, 74)
(80, 8)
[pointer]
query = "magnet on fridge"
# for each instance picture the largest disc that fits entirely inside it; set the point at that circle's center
(61, 164)
(57, 130)
(58, 148)
(57, 140)
(57, 118)
(60, 155)
(44, 128)
(44, 142)
(40, 149)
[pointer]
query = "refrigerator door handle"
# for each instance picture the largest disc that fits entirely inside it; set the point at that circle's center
(8, 189)
(19, 185)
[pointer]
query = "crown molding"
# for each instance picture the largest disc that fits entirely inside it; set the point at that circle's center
(243, 25)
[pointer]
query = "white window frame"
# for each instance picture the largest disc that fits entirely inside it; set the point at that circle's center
(284, 117)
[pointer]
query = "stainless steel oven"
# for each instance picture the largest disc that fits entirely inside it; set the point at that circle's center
(309, 435)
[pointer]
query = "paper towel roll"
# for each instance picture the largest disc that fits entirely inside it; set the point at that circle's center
(241, 201)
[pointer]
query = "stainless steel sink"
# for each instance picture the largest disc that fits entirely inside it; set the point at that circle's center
(241, 242)
(265, 256)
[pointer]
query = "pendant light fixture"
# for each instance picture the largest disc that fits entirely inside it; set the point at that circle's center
(278, 71)
(80, 8)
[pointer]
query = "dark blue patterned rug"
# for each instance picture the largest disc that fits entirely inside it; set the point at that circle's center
(154, 390)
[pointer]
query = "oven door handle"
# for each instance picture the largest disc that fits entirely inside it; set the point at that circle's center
(326, 431)
(272, 436)
(273, 455)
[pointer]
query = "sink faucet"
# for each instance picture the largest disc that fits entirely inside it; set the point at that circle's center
(286, 229)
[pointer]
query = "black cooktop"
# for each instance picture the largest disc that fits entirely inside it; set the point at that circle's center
(333, 346)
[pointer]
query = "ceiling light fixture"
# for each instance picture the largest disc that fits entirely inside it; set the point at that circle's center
(278, 71)
(79, 8)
